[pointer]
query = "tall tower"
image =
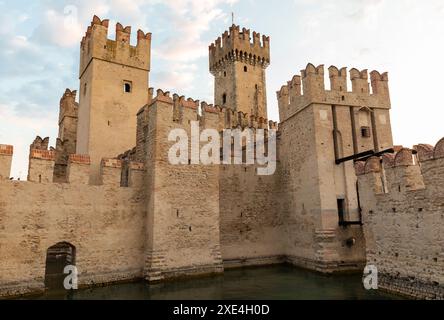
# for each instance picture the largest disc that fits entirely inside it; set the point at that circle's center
(113, 87)
(238, 66)
(322, 132)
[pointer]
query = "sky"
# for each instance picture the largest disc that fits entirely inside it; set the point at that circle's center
(40, 40)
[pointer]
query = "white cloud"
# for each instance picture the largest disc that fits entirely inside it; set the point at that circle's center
(59, 29)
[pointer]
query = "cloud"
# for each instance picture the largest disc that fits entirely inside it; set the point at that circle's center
(179, 79)
(58, 29)
(190, 19)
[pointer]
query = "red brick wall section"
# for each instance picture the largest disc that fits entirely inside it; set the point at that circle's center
(80, 159)
(111, 163)
(42, 154)
(6, 150)
(137, 166)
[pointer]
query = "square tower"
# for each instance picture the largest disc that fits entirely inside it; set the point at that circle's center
(238, 66)
(322, 132)
(113, 87)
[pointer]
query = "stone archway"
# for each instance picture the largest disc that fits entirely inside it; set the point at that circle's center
(58, 257)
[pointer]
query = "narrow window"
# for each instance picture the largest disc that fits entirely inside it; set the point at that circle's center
(224, 98)
(341, 211)
(127, 87)
(225, 73)
(85, 87)
(245, 69)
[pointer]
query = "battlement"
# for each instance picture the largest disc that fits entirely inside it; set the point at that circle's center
(40, 143)
(221, 116)
(406, 170)
(95, 44)
(236, 45)
(309, 87)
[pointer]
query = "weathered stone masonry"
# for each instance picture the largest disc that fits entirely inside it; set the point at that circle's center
(403, 209)
(137, 216)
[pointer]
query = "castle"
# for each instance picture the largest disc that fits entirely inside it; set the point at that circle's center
(107, 200)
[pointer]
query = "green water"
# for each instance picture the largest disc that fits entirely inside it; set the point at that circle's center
(270, 283)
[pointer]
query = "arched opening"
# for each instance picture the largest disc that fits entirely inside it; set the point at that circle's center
(57, 258)
(245, 69)
(224, 98)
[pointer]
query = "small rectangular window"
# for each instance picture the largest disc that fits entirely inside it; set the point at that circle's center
(365, 132)
(127, 87)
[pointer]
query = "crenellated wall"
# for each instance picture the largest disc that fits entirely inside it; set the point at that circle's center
(95, 44)
(319, 130)
(109, 189)
(104, 223)
(402, 206)
(238, 66)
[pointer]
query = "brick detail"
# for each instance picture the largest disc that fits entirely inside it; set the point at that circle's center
(136, 166)
(111, 163)
(79, 159)
(6, 150)
(42, 154)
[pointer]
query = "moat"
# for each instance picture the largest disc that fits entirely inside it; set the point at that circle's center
(269, 283)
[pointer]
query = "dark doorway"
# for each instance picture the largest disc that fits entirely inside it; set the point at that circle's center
(341, 211)
(57, 258)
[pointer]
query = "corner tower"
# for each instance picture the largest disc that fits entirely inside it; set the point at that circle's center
(238, 66)
(113, 87)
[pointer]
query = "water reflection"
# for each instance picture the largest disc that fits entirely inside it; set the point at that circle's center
(270, 283)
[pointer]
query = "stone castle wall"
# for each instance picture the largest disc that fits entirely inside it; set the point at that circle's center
(104, 223)
(183, 226)
(137, 215)
(403, 209)
(251, 220)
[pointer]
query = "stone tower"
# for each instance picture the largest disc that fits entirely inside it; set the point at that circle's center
(238, 66)
(322, 132)
(114, 78)
(67, 138)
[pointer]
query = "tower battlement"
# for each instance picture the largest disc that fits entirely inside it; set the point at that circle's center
(236, 45)
(309, 87)
(406, 170)
(95, 44)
